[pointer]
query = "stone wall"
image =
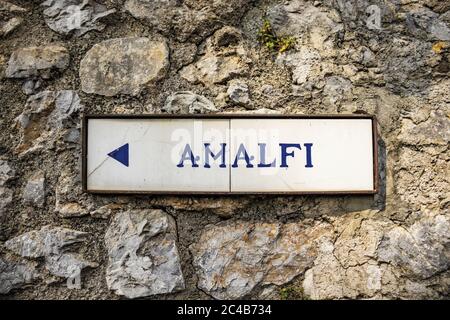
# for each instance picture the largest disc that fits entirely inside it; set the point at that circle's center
(62, 58)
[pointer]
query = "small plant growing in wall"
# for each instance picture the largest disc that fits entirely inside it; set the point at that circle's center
(268, 38)
(293, 292)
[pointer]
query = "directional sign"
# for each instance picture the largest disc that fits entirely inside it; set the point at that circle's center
(229, 154)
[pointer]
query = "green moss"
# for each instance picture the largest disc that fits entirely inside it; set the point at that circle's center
(293, 292)
(268, 38)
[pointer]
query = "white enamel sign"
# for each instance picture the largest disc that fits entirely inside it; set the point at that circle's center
(224, 154)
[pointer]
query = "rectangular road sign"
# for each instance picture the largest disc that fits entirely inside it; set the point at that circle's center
(230, 154)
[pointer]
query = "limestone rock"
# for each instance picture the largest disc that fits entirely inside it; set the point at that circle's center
(420, 185)
(70, 200)
(44, 242)
(106, 211)
(187, 20)
(10, 7)
(304, 64)
(34, 191)
(346, 267)
(77, 16)
(6, 194)
(232, 259)
(143, 257)
(6, 197)
(69, 266)
(422, 249)
(53, 244)
(425, 23)
(225, 59)
(6, 172)
(14, 275)
(435, 130)
(9, 26)
(188, 102)
(123, 66)
(46, 118)
(336, 89)
(37, 62)
(238, 92)
(306, 22)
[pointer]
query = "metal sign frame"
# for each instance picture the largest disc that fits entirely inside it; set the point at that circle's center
(84, 137)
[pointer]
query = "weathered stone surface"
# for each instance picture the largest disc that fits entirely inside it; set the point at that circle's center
(9, 26)
(46, 118)
(422, 178)
(6, 197)
(143, 257)
(44, 242)
(6, 172)
(304, 64)
(6, 194)
(37, 62)
(232, 259)
(187, 20)
(239, 93)
(77, 16)
(188, 102)
(123, 66)
(10, 7)
(34, 190)
(68, 195)
(346, 267)
(53, 244)
(422, 249)
(306, 22)
(336, 89)
(225, 58)
(14, 275)
(434, 130)
(425, 23)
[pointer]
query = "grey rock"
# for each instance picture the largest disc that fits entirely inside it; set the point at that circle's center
(143, 257)
(304, 21)
(6, 197)
(422, 249)
(10, 7)
(123, 66)
(77, 16)
(30, 86)
(44, 242)
(14, 275)
(337, 88)
(6, 172)
(53, 244)
(34, 191)
(10, 25)
(188, 102)
(418, 185)
(187, 20)
(37, 62)
(426, 23)
(70, 200)
(69, 266)
(239, 93)
(233, 259)
(304, 64)
(435, 130)
(46, 118)
(225, 58)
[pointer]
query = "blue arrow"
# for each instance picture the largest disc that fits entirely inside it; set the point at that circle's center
(121, 154)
